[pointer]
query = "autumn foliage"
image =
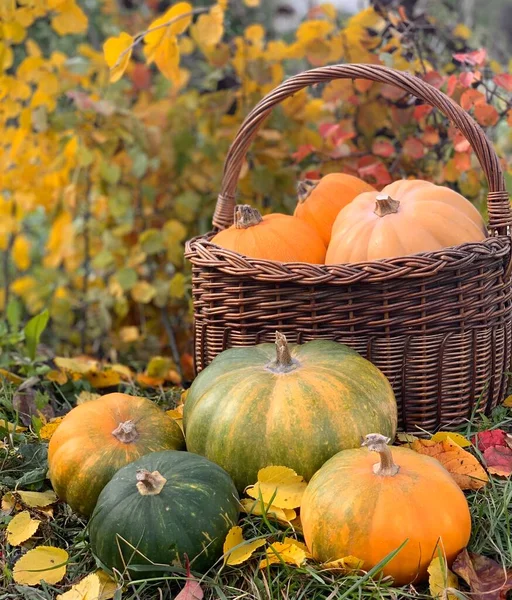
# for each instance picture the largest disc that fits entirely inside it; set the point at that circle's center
(112, 156)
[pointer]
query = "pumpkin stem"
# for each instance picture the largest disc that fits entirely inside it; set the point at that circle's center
(126, 432)
(379, 443)
(246, 216)
(284, 363)
(150, 484)
(385, 205)
(304, 189)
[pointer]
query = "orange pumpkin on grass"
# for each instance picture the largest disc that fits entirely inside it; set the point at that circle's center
(353, 507)
(406, 217)
(273, 237)
(319, 202)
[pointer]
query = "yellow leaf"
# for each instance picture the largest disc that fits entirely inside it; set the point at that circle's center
(441, 580)
(167, 58)
(345, 564)
(177, 286)
(177, 415)
(21, 252)
(280, 486)
(462, 31)
(406, 438)
(59, 377)
(86, 397)
(11, 427)
(96, 586)
(258, 508)
(47, 430)
(465, 469)
(11, 377)
(123, 370)
(252, 3)
(6, 57)
(102, 379)
(129, 334)
(143, 292)
(70, 19)
(76, 365)
(288, 551)
(236, 549)
(508, 402)
(37, 499)
(179, 14)
(209, 28)
(42, 563)
(456, 438)
(117, 52)
(21, 528)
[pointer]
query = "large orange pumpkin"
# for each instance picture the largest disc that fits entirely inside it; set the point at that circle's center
(320, 201)
(353, 507)
(273, 237)
(406, 217)
(97, 438)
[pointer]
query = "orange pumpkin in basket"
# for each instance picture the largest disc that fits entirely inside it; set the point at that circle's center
(319, 202)
(406, 217)
(272, 237)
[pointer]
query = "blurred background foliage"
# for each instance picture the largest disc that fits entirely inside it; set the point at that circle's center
(103, 182)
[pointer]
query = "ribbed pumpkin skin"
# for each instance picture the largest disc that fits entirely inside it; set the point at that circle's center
(349, 510)
(333, 192)
(430, 217)
(278, 237)
(83, 454)
(244, 417)
(191, 515)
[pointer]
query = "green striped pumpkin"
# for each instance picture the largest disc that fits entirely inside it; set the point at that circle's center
(250, 408)
(166, 504)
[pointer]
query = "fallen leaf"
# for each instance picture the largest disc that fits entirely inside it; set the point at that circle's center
(279, 486)
(96, 586)
(25, 402)
(236, 549)
(11, 427)
(345, 565)
(8, 503)
(86, 397)
(258, 508)
(287, 551)
(192, 589)
(441, 580)
(11, 377)
(48, 429)
(456, 438)
(21, 528)
(37, 499)
(498, 460)
(465, 469)
(490, 438)
(103, 379)
(507, 402)
(59, 377)
(42, 563)
(486, 579)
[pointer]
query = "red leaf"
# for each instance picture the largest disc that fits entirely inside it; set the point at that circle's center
(487, 439)
(460, 143)
(391, 92)
(302, 152)
(422, 110)
(430, 136)
(462, 161)
(509, 117)
(504, 80)
(414, 148)
(434, 78)
(141, 76)
(362, 85)
(452, 84)
(486, 115)
(498, 460)
(383, 148)
(192, 589)
(476, 57)
(377, 171)
(471, 98)
(327, 130)
(486, 579)
(466, 78)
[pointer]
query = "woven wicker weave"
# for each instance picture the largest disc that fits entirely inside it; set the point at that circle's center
(438, 324)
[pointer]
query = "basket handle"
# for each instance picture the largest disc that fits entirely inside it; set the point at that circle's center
(500, 214)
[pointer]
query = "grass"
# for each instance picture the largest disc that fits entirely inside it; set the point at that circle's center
(23, 464)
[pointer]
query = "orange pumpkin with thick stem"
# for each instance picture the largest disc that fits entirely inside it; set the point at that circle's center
(319, 202)
(273, 237)
(97, 438)
(406, 217)
(353, 507)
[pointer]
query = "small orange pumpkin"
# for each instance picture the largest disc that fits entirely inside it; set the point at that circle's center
(406, 217)
(353, 507)
(319, 202)
(273, 237)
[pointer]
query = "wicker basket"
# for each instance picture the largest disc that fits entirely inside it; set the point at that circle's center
(438, 324)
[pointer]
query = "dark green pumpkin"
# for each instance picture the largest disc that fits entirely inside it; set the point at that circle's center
(191, 513)
(248, 409)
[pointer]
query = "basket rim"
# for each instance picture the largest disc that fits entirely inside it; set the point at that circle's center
(201, 252)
